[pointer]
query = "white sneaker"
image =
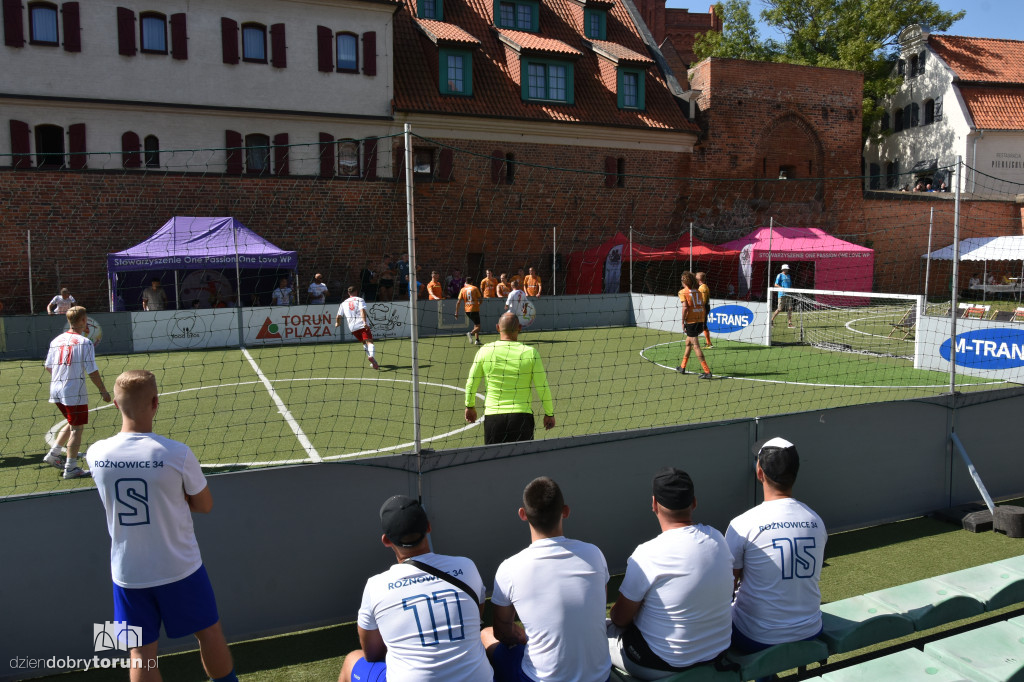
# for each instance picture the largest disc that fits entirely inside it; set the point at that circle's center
(469, 335)
(77, 472)
(55, 461)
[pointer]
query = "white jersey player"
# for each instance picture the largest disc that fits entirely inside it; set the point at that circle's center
(778, 548)
(149, 486)
(61, 303)
(673, 605)
(557, 587)
(415, 626)
(516, 301)
(353, 309)
(70, 358)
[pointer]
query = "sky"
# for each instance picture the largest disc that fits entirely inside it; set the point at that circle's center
(985, 18)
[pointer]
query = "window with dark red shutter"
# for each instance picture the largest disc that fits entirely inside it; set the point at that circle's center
(497, 162)
(278, 55)
(14, 25)
(125, 32)
(233, 153)
(130, 146)
(324, 49)
(72, 27)
(326, 155)
(229, 41)
(610, 166)
(179, 36)
(76, 138)
(445, 165)
(281, 154)
(370, 154)
(370, 53)
(21, 150)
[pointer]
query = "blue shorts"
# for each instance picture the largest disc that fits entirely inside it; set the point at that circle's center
(364, 671)
(508, 664)
(184, 607)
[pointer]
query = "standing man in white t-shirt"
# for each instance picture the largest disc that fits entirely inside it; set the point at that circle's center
(558, 589)
(283, 294)
(60, 304)
(317, 290)
(673, 607)
(778, 548)
(353, 309)
(149, 485)
(69, 360)
(415, 626)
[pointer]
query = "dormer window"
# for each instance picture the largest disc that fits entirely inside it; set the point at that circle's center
(595, 23)
(548, 81)
(456, 75)
(630, 88)
(430, 9)
(519, 15)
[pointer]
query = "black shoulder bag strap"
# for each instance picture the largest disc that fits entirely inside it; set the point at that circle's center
(438, 573)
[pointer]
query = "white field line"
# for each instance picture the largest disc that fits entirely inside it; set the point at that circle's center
(51, 435)
(283, 409)
(806, 383)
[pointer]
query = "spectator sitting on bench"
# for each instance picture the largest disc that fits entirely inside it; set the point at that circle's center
(558, 588)
(777, 548)
(413, 624)
(673, 607)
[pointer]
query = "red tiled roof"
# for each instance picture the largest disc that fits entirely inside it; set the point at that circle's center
(496, 89)
(995, 107)
(439, 31)
(622, 54)
(532, 42)
(986, 60)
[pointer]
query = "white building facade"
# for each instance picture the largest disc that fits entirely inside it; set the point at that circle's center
(959, 97)
(283, 87)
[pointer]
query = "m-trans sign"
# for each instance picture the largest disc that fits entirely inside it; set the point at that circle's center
(989, 349)
(729, 318)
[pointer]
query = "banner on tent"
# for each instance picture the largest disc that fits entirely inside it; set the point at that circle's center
(992, 350)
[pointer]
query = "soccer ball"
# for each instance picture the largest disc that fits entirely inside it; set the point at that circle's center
(528, 314)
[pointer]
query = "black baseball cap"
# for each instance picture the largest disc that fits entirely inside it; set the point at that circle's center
(403, 521)
(779, 460)
(673, 489)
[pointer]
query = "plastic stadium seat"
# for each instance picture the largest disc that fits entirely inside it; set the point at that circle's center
(778, 658)
(994, 652)
(994, 585)
(1016, 563)
(929, 603)
(908, 665)
(857, 622)
(702, 673)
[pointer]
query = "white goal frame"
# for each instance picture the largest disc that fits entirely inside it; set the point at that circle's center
(919, 299)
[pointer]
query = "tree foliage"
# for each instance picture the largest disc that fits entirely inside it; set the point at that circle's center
(859, 35)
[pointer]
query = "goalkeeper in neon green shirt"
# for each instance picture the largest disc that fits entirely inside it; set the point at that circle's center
(511, 370)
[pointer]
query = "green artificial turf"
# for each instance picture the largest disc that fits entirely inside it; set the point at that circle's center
(603, 379)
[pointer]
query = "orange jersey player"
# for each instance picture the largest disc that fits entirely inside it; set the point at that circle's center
(519, 277)
(489, 285)
(532, 282)
(471, 295)
(504, 288)
(435, 292)
(693, 322)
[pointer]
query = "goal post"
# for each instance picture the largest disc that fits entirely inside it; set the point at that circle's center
(870, 323)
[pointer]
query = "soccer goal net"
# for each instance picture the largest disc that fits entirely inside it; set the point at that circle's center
(876, 324)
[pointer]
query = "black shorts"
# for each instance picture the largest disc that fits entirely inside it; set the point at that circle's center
(694, 329)
(474, 317)
(508, 428)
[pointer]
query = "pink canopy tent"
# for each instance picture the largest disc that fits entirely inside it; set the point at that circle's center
(838, 264)
(596, 270)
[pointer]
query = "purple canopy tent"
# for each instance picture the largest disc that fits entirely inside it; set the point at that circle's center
(191, 243)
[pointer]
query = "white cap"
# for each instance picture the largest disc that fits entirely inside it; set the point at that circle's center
(785, 267)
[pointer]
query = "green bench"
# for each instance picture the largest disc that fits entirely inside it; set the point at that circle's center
(857, 622)
(992, 653)
(909, 665)
(995, 585)
(702, 673)
(929, 603)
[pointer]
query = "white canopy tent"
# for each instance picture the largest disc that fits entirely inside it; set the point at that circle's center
(987, 249)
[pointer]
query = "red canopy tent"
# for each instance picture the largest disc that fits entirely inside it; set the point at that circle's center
(597, 269)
